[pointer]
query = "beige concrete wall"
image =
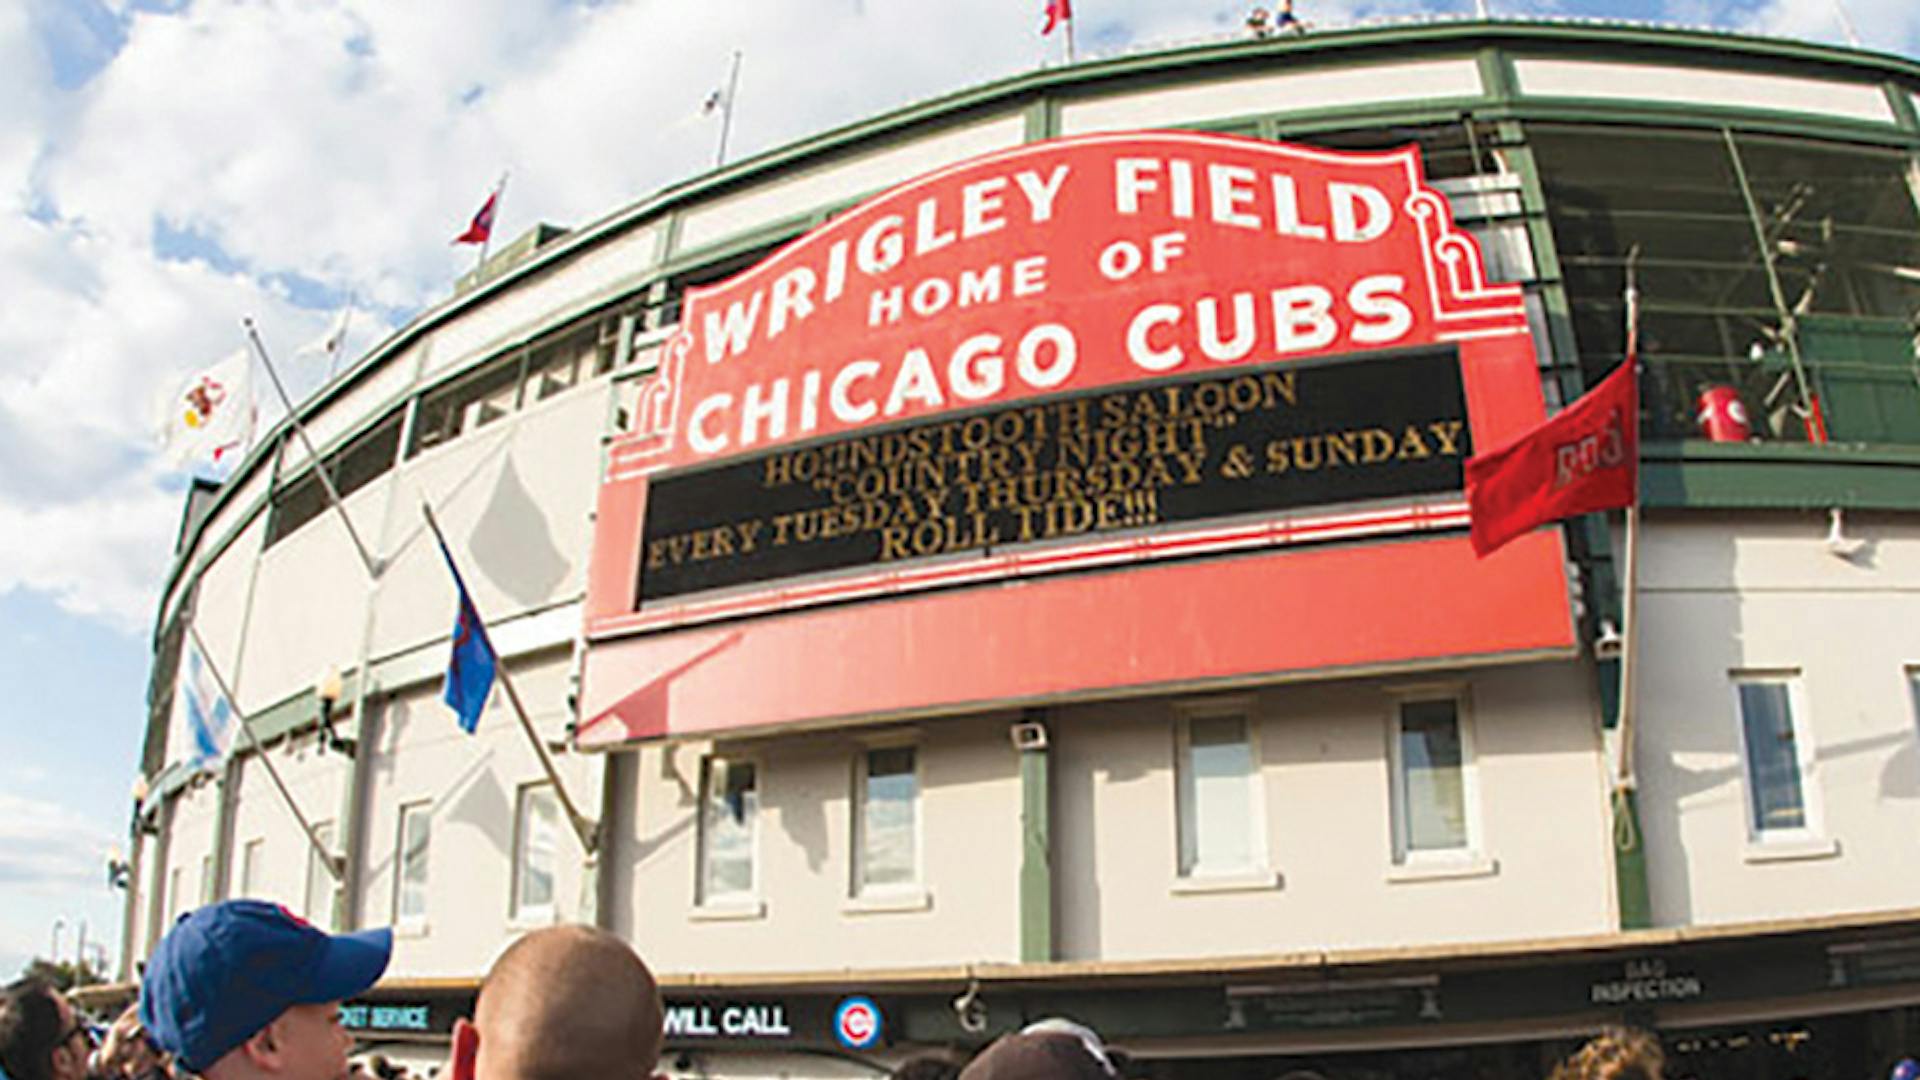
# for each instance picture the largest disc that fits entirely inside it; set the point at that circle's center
(318, 782)
(514, 499)
(471, 783)
(1725, 593)
(190, 840)
(1542, 866)
(970, 858)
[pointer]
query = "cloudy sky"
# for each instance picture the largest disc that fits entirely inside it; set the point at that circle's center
(168, 167)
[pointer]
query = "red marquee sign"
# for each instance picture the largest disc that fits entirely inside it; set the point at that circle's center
(971, 317)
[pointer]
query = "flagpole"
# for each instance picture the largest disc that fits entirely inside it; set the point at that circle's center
(1069, 22)
(372, 564)
(336, 864)
(1631, 589)
(726, 110)
(583, 827)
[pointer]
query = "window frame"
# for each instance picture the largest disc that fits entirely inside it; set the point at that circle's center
(1259, 871)
(867, 895)
(420, 810)
(519, 911)
(1810, 837)
(746, 903)
(1406, 860)
(253, 854)
(318, 875)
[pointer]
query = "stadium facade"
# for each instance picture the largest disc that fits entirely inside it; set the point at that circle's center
(1044, 590)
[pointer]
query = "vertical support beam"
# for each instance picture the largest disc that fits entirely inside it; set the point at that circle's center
(1036, 839)
(1589, 537)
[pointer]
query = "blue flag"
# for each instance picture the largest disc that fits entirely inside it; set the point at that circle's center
(470, 667)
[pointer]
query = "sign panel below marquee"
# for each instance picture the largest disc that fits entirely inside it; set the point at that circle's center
(1082, 354)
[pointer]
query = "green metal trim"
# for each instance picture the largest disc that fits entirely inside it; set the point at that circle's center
(1779, 476)
(1712, 118)
(1043, 119)
(1497, 79)
(1036, 864)
(1900, 98)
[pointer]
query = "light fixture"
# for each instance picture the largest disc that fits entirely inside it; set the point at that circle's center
(1607, 645)
(119, 870)
(1839, 544)
(328, 689)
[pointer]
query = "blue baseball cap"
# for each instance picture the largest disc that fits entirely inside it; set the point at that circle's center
(1906, 1069)
(229, 969)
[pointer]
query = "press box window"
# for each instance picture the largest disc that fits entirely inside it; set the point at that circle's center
(1219, 805)
(886, 820)
(536, 835)
(1778, 758)
(410, 863)
(729, 802)
(351, 468)
(473, 402)
(1431, 798)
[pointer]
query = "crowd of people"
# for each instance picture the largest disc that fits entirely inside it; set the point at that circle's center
(244, 990)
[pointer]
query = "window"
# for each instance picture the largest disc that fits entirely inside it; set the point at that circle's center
(174, 899)
(886, 820)
(319, 909)
(729, 800)
(536, 833)
(1219, 805)
(253, 857)
(473, 402)
(1432, 792)
(362, 461)
(206, 880)
(1778, 758)
(410, 865)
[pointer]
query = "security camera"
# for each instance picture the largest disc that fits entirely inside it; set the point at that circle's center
(1028, 735)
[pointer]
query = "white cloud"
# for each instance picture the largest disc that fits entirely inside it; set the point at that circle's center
(48, 848)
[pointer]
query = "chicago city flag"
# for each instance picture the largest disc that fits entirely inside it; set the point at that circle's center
(1585, 458)
(209, 419)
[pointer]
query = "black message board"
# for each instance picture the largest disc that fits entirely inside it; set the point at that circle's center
(1180, 450)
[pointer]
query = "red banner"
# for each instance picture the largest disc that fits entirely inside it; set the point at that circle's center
(1586, 458)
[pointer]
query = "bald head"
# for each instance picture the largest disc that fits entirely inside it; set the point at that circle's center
(566, 1002)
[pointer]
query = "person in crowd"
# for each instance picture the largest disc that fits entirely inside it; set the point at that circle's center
(1259, 23)
(562, 1002)
(128, 1053)
(1616, 1053)
(926, 1067)
(1284, 20)
(41, 1036)
(246, 990)
(1052, 1049)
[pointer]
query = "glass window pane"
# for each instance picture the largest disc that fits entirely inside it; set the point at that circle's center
(1773, 761)
(252, 855)
(1434, 813)
(539, 832)
(727, 830)
(887, 818)
(1217, 797)
(319, 909)
(415, 830)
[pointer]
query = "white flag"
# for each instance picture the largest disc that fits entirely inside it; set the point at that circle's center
(203, 714)
(209, 420)
(328, 345)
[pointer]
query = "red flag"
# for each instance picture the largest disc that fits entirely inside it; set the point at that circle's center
(481, 227)
(1586, 458)
(1058, 11)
